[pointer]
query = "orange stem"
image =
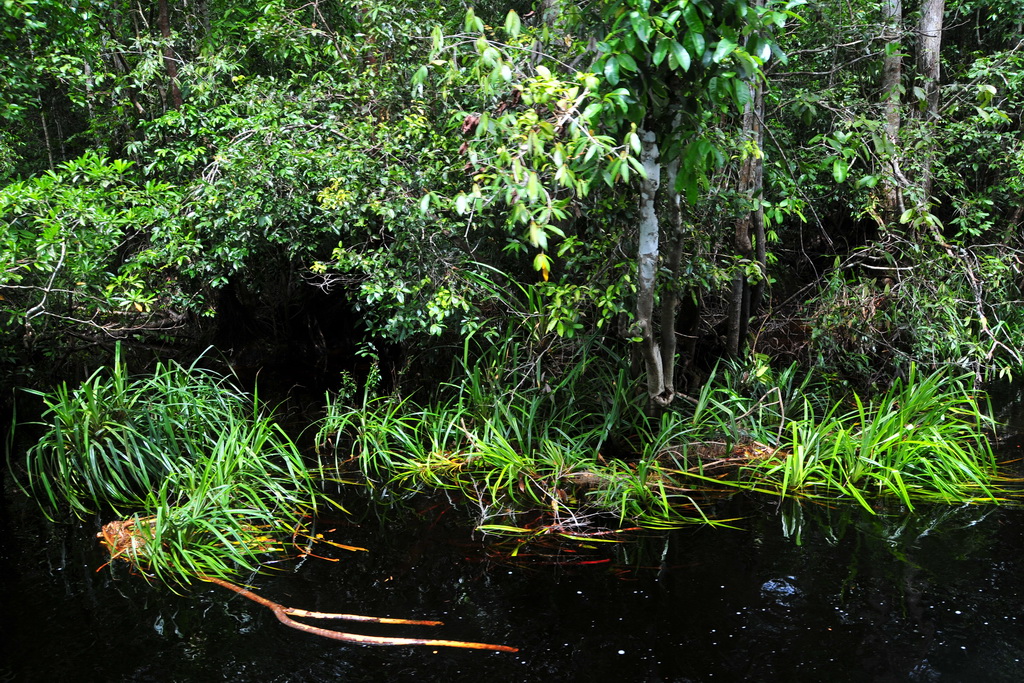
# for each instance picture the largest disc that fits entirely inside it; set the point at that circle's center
(282, 613)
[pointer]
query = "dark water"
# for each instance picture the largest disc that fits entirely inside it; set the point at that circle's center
(794, 594)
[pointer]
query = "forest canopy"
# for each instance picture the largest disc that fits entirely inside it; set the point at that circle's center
(837, 184)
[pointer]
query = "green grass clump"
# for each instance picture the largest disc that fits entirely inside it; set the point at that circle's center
(206, 483)
(522, 431)
(560, 433)
(926, 438)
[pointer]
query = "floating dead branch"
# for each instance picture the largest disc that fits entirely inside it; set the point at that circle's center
(128, 540)
(285, 614)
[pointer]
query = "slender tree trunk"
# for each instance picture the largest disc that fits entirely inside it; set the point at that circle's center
(42, 118)
(670, 293)
(928, 51)
(687, 327)
(892, 90)
(550, 11)
(170, 64)
(749, 231)
(756, 195)
(749, 237)
(647, 269)
(90, 96)
(739, 300)
(46, 135)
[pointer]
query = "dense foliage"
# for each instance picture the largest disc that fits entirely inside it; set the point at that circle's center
(419, 162)
(665, 184)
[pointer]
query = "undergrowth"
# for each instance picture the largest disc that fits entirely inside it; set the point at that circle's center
(559, 430)
(184, 460)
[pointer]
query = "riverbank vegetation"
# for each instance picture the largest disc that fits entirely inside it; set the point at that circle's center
(200, 482)
(577, 448)
(204, 486)
(606, 262)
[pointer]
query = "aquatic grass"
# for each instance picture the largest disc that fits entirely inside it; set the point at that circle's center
(804, 456)
(112, 439)
(236, 505)
(926, 438)
(926, 434)
(514, 433)
(199, 478)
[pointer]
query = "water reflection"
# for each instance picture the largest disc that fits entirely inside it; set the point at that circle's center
(797, 593)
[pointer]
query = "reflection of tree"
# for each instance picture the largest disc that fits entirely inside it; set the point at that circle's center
(892, 563)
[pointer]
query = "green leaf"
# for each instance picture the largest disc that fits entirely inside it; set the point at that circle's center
(680, 56)
(688, 184)
(490, 56)
(779, 54)
(748, 66)
(641, 26)
(611, 70)
(692, 18)
(694, 42)
(537, 236)
(512, 23)
(661, 50)
(760, 48)
(742, 94)
(723, 50)
(533, 189)
(592, 110)
(626, 62)
(542, 263)
(637, 166)
(840, 169)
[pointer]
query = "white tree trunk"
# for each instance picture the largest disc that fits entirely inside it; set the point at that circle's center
(647, 267)
(928, 51)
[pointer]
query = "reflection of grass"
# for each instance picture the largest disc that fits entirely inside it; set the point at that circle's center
(185, 457)
(564, 436)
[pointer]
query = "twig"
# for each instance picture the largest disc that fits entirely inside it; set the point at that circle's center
(40, 308)
(282, 613)
(124, 540)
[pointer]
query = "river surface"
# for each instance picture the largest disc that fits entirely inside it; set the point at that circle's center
(794, 593)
